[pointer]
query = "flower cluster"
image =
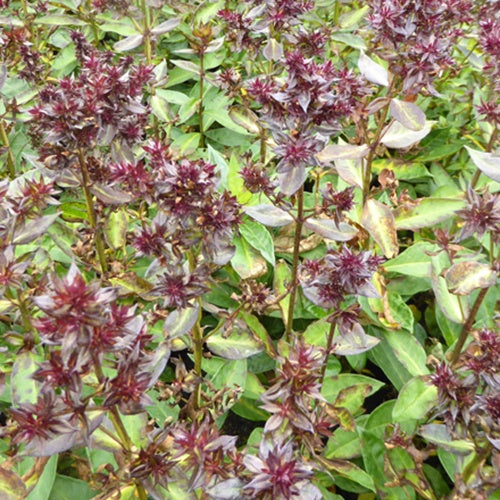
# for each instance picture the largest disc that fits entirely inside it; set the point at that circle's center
(419, 36)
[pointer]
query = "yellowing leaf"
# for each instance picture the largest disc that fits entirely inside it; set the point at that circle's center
(378, 220)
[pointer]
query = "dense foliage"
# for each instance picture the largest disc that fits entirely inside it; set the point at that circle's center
(249, 249)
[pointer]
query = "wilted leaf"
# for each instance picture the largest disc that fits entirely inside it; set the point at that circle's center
(240, 344)
(488, 163)
(342, 152)
(408, 114)
(246, 261)
(245, 118)
(378, 220)
(329, 230)
(398, 136)
(464, 277)
(415, 399)
(372, 71)
(12, 487)
(269, 215)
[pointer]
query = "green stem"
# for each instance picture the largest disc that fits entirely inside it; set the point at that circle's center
(329, 343)
(11, 165)
(91, 212)
(146, 32)
(467, 326)
(200, 105)
(295, 263)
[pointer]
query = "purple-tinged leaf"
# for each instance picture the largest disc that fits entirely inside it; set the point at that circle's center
(350, 171)
(372, 71)
(397, 135)
(180, 321)
(110, 195)
(464, 277)
(269, 215)
(245, 118)
(408, 114)
(354, 341)
(378, 220)
(166, 26)
(329, 229)
(129, 43)
(3, 75)
(186, 65)
(292, 180)
(342, 152)
(33, 229)
(273, 50)
(488, 163)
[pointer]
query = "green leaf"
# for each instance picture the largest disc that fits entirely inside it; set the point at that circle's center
(381, 417)
(246, 261)
(135, 426)
(464, 277)
(378, 220)
(245, 118)
(24, 389)
(408, 114)
(260, 238)
(226, 374)
(414, 261)
(116, 228)
(343, 444)
(45, 482)
(439, 434)
(426, 212)
(332, 386)
(180, 321)
(259, 331)
(282, 279)
(235, 182)
(240, 343)
(350, 471)
(69, 488)
(415, 399)
(330, 230)
(248, 409)
(352, 17)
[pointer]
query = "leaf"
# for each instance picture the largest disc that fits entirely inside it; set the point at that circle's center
(166, 26)
(439, 434)
(33, 229)
(350, 471)
(160, 108)
(350, 171)
(245, 118)
(180, 321)
(111, 195)
(343, 444)
(464, 277)
(259, 331)
(129, 43)
(408, 114)
(69, 488)
(329, 229)
(240, 344)
(332, 386)
(44, 483)
(378, 220)
(425, 212)
(116, 229)
(24, 389)
(260, 238)
(282, 279)
(342, 152)
(414, 261)
(488, 163)
(354, 341)
(189, 66)
(352, 17)
(12, 486)
(449, 304)
(415, 399)
(269, 215)
(246, 261)
(59, 20)
(398, 136)
(372, 71)
(273, 50)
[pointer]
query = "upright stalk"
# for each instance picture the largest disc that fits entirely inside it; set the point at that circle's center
(91, 212)
(146, 32)
(467, 326)
(11, 166)
(200, 105)
(295, 263)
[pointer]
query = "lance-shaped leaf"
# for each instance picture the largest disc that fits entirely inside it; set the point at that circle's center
(33, 229)
(378, 220)
(408, 114)
(426, 212)
(129, 43)
(464, 277)
(260, 238)
(239, 344)
(180, 321)
(329, 229)
(342, 152)
(415, 399)
(111, 195)
(269, 215)
(373, 71)
(397, 135)
(187, 65)
(166, 26)
(488, 163)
